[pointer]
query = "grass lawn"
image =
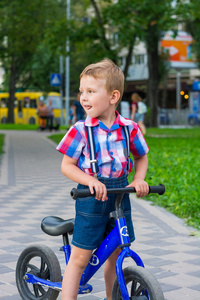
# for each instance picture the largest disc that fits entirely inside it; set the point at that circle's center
(173, 161)
(18, 127)
(56, 137)
(22, 127)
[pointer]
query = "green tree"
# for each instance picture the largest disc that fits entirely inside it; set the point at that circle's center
(143, 20)
(155, 17)
(23, 25)
(32, 36)
(36, 75)
(191, 15)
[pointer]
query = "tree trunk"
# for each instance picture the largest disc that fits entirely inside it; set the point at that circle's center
(104, 40)
(129, 57)
(164, 94)
(153, 67)
(12, 90)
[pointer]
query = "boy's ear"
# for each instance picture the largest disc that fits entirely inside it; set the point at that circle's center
(115, 97)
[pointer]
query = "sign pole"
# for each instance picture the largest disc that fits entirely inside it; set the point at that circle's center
(178, 95)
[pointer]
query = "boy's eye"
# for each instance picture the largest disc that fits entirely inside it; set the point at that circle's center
(90, 91)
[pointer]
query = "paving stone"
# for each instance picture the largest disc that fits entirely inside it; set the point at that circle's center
(195, 287)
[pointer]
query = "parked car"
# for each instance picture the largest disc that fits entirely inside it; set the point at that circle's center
(193, 119)
(163, 117)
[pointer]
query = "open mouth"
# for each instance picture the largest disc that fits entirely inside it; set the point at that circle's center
(87, 107)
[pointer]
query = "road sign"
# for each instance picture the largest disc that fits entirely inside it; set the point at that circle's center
(196, 86)
(55, 79)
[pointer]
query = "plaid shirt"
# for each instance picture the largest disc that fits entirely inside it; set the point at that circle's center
(110, 145)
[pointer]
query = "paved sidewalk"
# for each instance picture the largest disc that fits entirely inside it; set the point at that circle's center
(32, 187)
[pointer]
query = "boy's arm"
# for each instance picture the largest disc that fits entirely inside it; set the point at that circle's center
(71, 171)
(140, 165)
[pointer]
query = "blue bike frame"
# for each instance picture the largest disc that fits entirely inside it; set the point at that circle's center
(118, 237)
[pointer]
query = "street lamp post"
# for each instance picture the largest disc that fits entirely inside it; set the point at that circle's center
(178, 96)
(61, 87)
(67, 77)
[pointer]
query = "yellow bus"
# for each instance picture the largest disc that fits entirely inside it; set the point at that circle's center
(58, 106)
(25, 106)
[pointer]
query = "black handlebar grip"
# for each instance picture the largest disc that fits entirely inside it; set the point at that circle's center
(159, 189)
(80, 193)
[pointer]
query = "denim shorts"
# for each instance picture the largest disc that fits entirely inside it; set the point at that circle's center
(139, 117)
(92, 222)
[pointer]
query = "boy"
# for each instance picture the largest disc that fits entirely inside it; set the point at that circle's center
(101, 89)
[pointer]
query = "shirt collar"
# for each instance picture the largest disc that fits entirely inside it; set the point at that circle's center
(91, 122)
(120, 121)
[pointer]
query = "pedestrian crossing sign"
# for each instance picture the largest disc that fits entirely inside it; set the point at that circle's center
(55, 79)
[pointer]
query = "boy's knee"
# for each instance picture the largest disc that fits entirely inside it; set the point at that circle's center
(81, 258)
(81, 261)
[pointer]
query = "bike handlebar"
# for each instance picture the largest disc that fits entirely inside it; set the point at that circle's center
(158, 189)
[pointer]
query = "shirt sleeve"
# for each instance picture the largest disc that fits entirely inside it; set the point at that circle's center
(71, 144)
(138, 145)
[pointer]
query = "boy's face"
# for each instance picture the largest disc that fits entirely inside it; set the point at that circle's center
(94, 97)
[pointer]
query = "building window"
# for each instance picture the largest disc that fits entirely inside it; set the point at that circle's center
(122, 61)
(138, 59)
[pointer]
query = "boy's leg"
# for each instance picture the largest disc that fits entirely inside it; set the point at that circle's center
(110, 273)
(78, 261)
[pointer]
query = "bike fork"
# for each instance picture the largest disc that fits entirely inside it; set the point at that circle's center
(126, 252)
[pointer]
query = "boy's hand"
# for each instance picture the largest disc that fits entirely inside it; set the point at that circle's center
(141, 186)
(100, 189)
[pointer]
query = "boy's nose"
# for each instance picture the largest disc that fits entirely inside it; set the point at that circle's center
(83, 96)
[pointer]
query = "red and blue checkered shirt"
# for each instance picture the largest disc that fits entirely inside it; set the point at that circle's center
(110, 145)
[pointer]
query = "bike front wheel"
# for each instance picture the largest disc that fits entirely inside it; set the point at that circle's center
(43, 263)
(140, 283)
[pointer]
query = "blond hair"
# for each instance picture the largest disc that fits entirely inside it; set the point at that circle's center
(135, 97)
(106, 69)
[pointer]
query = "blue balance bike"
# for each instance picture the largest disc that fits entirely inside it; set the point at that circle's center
(38, 272)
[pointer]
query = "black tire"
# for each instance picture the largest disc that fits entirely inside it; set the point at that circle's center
(42, 262)
(139, 281)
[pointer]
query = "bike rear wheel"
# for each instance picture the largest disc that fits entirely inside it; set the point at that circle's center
(140, 283)
(40, 261)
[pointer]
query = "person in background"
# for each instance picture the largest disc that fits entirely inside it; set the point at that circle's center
(78, 110)
(137, 115)
(42, 112)
(50, 115)
(71, 114)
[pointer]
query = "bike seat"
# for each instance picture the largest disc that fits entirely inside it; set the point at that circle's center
(56, 226)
